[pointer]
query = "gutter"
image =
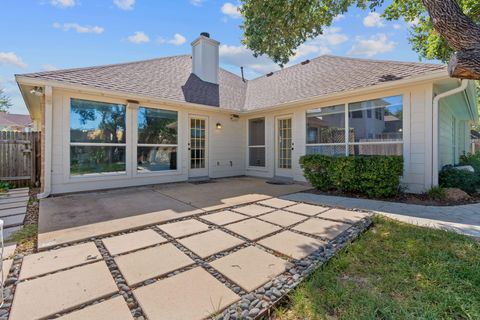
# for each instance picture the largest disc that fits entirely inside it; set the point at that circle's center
(47, 176)
(436, 100)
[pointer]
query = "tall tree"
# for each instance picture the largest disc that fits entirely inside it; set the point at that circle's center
(441, 28)
(5, 102)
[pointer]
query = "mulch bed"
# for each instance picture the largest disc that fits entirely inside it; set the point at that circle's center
(410, 198)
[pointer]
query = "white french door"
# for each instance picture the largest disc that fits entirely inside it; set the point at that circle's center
(198, 146)
(283, 146)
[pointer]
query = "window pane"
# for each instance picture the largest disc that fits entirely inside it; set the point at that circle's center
(157, 126)
(156, 158)
(256, 132)
(376, 120)
(92, 121)
(95, 159)
(327, 150)
(377, 149)
(326, 125)
(256, 157)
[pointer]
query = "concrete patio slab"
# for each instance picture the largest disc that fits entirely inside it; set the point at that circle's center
(7, 232)
(13, 205)
(253, 210)
(9, 251)
(291, 244)
(150, 263)
(54, 260)
(192, 295)
(113, 309)
(132, 241)
(11, 221)
(342, 215)
(322, 228)
(224, 217)
(250, 267)
(183, 228)
(253, 229)
(283, 218)
(60, 292)
(13, 211)
(277, 203)
(210, 242)
(6, 266)
(307, 209)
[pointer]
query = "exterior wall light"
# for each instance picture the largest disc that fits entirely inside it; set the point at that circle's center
(219, 125)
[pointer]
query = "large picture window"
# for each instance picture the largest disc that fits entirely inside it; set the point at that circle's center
(256, 142)
(97, 137)
(157, 140)
(373, 127)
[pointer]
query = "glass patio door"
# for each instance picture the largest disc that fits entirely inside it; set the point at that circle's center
(284, 147)
(197, 147)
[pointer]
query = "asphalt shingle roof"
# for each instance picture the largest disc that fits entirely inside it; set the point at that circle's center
(171, 78)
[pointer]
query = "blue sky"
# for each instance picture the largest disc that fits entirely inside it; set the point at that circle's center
(37, 35)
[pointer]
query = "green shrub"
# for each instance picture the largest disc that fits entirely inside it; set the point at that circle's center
(436, 193)
(450, 177)
(375, 176)
(5, 186)
(471, 159)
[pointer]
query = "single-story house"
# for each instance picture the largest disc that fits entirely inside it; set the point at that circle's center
(15, 122)
(183, 117)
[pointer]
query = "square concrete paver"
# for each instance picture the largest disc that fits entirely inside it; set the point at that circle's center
(322, 228)
(190, 295)
(252, 229)
(278, 203)
(132, 241)
(224, 217)
(49, 295)
(253, 210)
(113, 309)
(291, 244)
(250, 267)
(344, 215)
(152, 262)
(6, 265)
(184, 228)
(54, 260)
(13, 211)
(211, 242)
(283, 218)
(307, 209)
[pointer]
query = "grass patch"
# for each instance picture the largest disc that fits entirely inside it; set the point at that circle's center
(27, 234)
(394, 271)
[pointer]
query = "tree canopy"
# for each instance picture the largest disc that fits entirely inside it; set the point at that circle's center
(5, 102)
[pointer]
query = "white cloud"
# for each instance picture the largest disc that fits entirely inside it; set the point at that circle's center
(240, 56)
(373, 19)
(138, 37)
(332, 36)
(397, 26)
(11, 58)
(307, 49)
(63, 3)
(321, 44)
(177, 40)
(231, 10)
(338, 17)
(49, 67)
(197, 3)
(374, 45)
(78, 28)
(124, 4)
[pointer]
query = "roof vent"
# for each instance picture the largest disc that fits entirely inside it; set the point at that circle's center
(269, 74)
(205, 34)
(305, 62)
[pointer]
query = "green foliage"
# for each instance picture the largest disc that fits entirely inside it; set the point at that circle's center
(277, 27)
(393, 271)
(5, 186)
(471, 159)
(26, 234)
(375, 176)
(5, 102)
(436, 193)
(450, 177)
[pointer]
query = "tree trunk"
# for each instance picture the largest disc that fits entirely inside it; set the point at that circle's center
(461, 34)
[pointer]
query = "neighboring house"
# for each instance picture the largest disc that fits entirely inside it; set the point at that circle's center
(182, 117)
(15, 122)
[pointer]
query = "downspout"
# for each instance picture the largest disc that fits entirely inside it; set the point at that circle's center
(47, 176)
(436, 100)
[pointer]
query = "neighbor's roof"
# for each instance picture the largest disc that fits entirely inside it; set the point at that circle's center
(171, 78)
(17, 120)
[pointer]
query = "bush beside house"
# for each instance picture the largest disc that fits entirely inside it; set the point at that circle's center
(375, 176)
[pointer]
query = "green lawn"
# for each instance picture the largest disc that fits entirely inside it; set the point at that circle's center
(394, 271)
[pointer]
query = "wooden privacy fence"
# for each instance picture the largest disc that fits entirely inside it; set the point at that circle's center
(20, 157)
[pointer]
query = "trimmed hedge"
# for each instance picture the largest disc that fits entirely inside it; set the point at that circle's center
(375, 176)
(450, 177)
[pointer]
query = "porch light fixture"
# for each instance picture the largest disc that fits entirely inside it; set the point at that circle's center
(219, 125)
(37, 91)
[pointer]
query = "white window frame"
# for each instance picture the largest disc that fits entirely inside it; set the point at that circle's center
(264, 146)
